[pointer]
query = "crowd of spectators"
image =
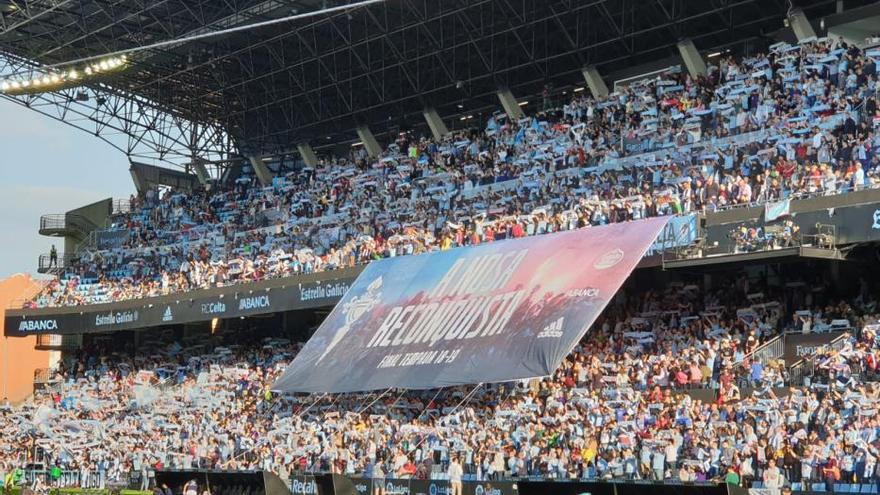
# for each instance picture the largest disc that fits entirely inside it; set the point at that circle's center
(796, 121)
(620, 406)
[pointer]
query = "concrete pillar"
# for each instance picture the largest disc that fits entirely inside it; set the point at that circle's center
(369, 141)
(264, 175)
(800, 25)
(512, 109)
(140, 185)
(308, 154)
(595, 82)
(694, 62)
(438, 127)
(202, 173)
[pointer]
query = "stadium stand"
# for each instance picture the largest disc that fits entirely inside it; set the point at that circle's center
(796, 122)
(743, 376)
(626, 404)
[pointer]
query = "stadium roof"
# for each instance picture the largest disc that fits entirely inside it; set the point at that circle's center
(261, 91)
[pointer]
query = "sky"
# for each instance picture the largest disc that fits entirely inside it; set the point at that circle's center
(48, 167)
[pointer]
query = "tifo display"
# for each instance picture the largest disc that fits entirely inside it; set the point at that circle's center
(669, 288)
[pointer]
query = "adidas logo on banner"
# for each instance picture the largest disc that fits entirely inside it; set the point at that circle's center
(553, 330)
(167, 316)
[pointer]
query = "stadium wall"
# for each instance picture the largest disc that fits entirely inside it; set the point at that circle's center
(739, 215)
(97, 213)
(20, 360)
(314, 290)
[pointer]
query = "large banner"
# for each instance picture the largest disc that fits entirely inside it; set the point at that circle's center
(492, 313)
(680, 231)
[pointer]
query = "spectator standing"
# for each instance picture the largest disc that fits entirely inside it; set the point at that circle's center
(773, 479)
(455, 473)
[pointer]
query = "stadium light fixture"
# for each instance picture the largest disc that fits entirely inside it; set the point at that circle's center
(578, 89)
(713, 54)
(95, 64)
(51, 80)
(355, 145)
(523, 103)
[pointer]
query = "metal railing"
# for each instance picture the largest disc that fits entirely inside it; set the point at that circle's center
(121, 206)
(59, 342)
(806, 367)
(41, 375)
(771, 350)
(45, 264)
(76, 225)
(800, 370)
(70, 479)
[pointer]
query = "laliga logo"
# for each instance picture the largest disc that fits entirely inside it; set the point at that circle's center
(479, 490)
(438, 490)
(608, 259)
(876, 220)
(396, 489)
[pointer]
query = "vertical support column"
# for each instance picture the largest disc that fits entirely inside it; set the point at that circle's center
(369, 140)
(800, 25)
(140, 184)
(264, 175)
(595, 82)
(308, 154)
(202, 173)
(512, 109)
(438, 127)
(694, 62)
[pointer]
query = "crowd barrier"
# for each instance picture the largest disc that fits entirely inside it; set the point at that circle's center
(313, 290)
(321, 485)
(224, 482)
